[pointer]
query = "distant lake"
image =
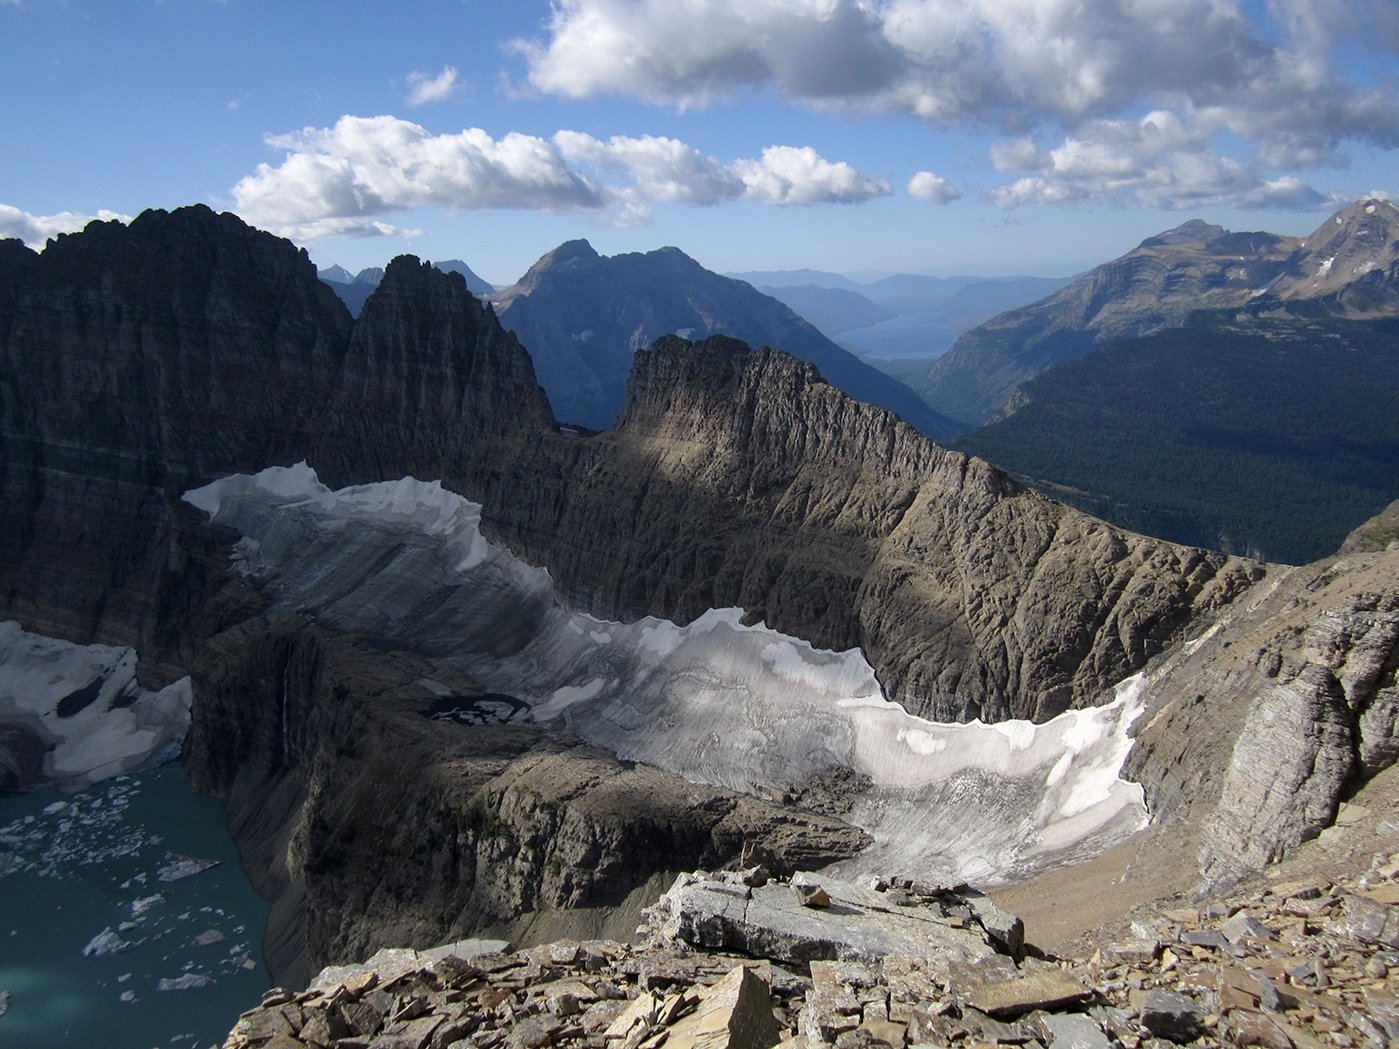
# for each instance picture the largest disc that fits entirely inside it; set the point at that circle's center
(115, 929)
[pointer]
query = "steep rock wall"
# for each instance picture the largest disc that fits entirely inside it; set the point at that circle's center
(369, 824)
(1259, 729)
(739, 477)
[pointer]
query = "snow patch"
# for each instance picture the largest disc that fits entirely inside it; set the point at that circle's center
(718, 701)
(82, 708)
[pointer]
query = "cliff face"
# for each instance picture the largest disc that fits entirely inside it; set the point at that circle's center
(133, 359)
(1259, 729)
(349, 800)
(739, 477)
(139, 361)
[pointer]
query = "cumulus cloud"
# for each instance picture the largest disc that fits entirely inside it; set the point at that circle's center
(342, 179)
(424, 88)
(933, 188)
(1267, 84)
(345, 179)
(35, 230)
(1158, 160)
(800, 175)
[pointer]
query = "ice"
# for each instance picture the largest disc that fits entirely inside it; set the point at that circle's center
(717, 700)
(83, 709)
(106, 942)
(180, 867)
(184, 983)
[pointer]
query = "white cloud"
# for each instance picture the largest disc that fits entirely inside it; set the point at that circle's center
(1268, 85)
(661, 170)
(35, 230)
(933, 188)
(800, 175)
(424, 88)
(343, 180)
(1158, 160)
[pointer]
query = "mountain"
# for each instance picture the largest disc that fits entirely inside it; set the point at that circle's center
(1273, 437)
(358, 657)
(904, 317)
(830, 310)
(584, 316)
(142, 359)
(798, 278)
(1348, 268)
(474, 284)
(335, 274)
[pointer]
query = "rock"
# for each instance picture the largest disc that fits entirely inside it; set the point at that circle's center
(1370, 921)
(1242, 926)
(1071, 1031)
(1172, 1016)
(1045, 989)
(736, 1013)
(773, 924)
(811, 895)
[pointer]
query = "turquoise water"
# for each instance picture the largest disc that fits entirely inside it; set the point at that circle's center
(172, 957)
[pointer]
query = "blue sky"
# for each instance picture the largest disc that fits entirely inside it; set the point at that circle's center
(939, 136)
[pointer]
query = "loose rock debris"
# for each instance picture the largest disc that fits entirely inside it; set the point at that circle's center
(1303, 964)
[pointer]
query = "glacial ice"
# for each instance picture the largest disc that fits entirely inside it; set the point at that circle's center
(717, 700)
(82, 711)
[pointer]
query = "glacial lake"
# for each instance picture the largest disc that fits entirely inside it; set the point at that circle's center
(115, 929)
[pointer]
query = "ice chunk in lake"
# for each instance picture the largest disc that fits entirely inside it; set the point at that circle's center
(106, 942)
(72, 715)
(184, 867)
(717, 700)
(184, 983)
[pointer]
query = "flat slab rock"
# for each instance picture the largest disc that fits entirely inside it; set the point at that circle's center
(769, 921)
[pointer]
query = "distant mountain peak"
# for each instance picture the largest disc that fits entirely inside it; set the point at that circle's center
(1196, 231)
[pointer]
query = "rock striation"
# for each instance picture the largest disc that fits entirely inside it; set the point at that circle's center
(138, 361)
(738, 477)
(1262, 726)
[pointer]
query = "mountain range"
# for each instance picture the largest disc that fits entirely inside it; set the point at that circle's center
(1227, 390)
(585, 316)
(333, 597)
(900, 321)
(1347, 268)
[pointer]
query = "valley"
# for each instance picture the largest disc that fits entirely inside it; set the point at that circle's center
(749, 616)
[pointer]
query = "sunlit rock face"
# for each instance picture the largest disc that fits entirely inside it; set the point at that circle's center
(72, 715)
(718, 701)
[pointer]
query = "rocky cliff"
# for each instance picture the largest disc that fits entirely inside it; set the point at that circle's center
(348, 798)
(139, 361)
(1258, 730)
(739, 477)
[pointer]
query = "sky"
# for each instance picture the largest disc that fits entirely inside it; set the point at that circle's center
(985, 137)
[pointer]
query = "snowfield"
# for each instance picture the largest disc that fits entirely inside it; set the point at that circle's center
(718, 700)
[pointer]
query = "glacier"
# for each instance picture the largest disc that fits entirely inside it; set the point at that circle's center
(73, 715)
(719, 700)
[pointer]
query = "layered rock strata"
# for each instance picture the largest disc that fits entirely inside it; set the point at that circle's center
(349, 800)
(1260, 728)
(138, 361)
(737, 477)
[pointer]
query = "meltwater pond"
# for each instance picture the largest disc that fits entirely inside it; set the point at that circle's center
(125, 918)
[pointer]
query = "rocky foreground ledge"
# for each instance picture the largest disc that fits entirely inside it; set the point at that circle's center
(735, 960)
